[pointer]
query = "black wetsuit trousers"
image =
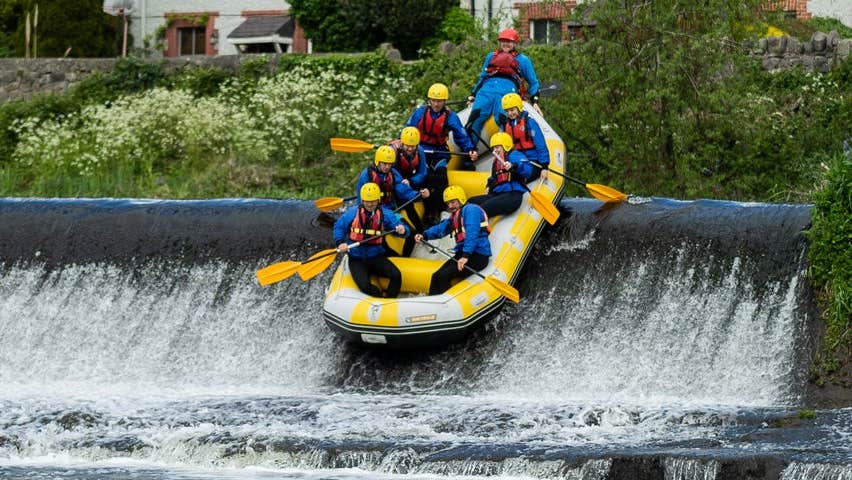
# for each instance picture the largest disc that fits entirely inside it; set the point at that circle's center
(361, 270)
(499, 203)
(450, 270)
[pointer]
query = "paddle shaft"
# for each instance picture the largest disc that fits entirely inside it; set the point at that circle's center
(447, 254)
(463, 154)
(567, 177)
(351, 245)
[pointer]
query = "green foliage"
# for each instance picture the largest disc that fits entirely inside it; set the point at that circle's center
(59, 26)
(827, 24)
(201, 81)
(830, 256)
(5, 45)
(263, 137)
(351, 25)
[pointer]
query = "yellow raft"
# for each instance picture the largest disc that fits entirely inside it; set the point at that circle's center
(416, 319)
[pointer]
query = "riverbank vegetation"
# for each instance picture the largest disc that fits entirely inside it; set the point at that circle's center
(655, 102)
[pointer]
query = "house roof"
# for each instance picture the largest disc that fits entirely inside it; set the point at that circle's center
(264, 26)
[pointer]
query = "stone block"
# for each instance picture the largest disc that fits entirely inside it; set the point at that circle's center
(844, 48)
(770, 63)
(819, 41)
(794, 45)
(777, 45)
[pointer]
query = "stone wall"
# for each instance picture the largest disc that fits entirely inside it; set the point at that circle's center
(820, 54)
(21, 78)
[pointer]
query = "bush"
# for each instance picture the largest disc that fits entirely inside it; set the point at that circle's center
(830, 257)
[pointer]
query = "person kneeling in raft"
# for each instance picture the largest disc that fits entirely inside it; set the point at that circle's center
(362, 223)
(468, 224)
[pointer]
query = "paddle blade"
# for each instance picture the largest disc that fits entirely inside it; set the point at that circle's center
(544, 207)
(605, 194)
(311, 269)
(327, 204)
(276, 272)
(505, 289)
(350, 145)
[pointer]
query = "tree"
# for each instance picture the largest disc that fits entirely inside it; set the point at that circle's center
(80, 25)
(353, 25)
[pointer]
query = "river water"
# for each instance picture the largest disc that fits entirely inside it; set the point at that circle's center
(655, 339)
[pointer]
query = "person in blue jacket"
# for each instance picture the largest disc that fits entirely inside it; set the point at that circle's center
(359, 223)
(395, 192)
(410, 158)
(468, 224)
(389, 180)
(504, 71)
(526, 134)
(435, 121)
(508, 181)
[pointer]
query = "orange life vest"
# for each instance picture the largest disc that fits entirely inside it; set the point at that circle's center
(434, 131)
(407, 167)
(457, 221)
(362, 227)
(385, 184)
(497, 172)
(505, 65)
(520, 132)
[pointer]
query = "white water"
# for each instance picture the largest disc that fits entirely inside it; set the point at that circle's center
(173, 371)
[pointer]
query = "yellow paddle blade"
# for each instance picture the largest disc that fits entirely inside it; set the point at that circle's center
(327, 204)
(605, 194)
(276, 272)
(350, 145)
(505, 289)
(544, 207)
(311, 269)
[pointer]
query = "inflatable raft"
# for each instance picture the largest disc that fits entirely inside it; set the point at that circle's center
(416, 319)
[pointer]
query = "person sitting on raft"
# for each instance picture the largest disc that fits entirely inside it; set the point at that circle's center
(358, 224)
(526, 134)
(468, 224)
(509, 174)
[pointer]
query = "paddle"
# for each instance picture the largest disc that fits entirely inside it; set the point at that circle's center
(601, 192)
(350, 145)
(504, 288)
(308, 269)
(544, 207)
(327, 204)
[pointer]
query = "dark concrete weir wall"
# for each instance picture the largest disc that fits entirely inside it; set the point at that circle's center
(59, 231)
(121, 230)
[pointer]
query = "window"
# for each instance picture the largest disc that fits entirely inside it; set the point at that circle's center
(191, 41)
(546, 30)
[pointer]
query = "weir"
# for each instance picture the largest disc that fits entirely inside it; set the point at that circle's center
(633, 319)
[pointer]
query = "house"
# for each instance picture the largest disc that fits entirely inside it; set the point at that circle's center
(548, 21)
(227, 27)
(211, 27)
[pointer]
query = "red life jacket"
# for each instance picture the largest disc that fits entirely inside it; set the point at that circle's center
(362, 227)
(434, 131)
(457, 222)
(407, 167)
(385, 183)
(499, 175)
(520, 132)
(505, 65)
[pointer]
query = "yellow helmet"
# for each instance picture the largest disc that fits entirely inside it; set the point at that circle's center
(410, 136)
(503, 139)
(455, 192)
(438, 91)
(370, 192)
(512, 100)
(385, 154)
